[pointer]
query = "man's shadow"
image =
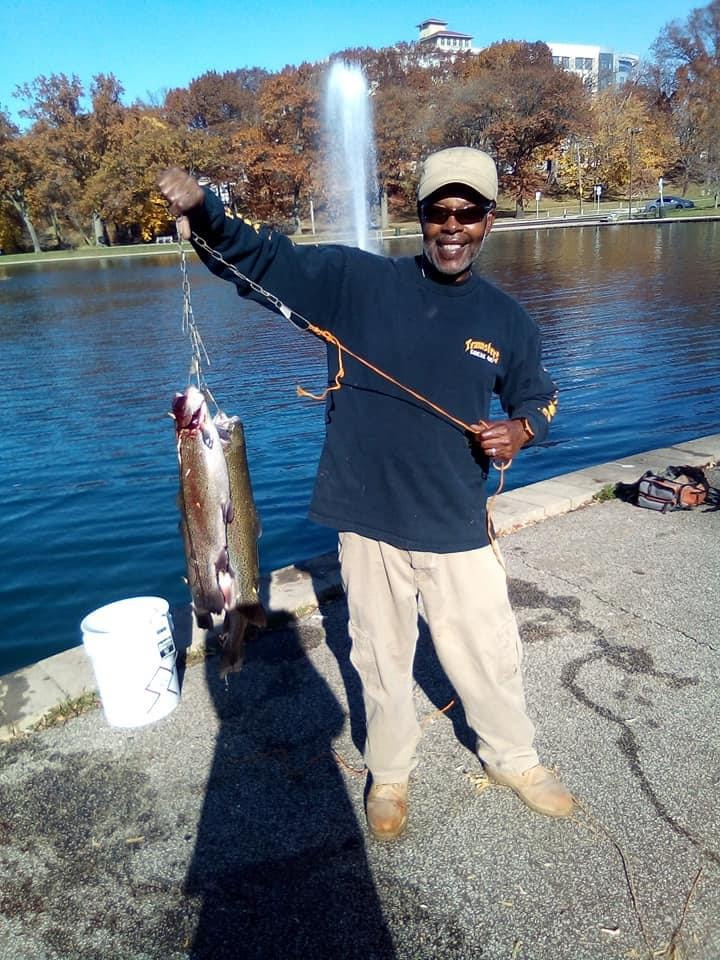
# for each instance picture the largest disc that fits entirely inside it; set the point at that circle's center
(427, 670)
(279, 864)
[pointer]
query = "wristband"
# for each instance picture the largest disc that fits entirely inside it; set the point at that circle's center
(527, 429)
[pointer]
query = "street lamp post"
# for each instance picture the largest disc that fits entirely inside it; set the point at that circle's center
(631, 131)
(579, 166)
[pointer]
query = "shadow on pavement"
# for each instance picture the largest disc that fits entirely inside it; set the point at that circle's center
(279, 863)
(427, 670)
(438, 689)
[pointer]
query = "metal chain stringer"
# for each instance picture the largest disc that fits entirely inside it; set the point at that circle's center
(283, 308)
(199, 353)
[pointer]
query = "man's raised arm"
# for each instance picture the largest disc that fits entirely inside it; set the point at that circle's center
(183, 193)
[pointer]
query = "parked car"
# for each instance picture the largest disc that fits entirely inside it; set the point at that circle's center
(672, 203)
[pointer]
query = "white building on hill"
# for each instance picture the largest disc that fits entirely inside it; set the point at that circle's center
(435, 35)
(600, 66)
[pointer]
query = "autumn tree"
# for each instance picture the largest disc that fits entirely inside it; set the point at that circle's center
(64, 139)
(10, 230)
(221, 102)
(58, 133)
(401, 63)
(99, 130)
(139, 147)
(406, 130)
(686, 75)
(53, 100)
(515, 103)
(605, 155)
(410, 91)
(273, 161)
(19, 181)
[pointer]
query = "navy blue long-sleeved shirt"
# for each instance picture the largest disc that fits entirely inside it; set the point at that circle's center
(391, 468)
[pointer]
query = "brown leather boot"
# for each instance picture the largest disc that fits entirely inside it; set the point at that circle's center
(387, 810)
(539, 788)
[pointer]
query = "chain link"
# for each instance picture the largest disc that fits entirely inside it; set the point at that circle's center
(189, 327)
(281, 307)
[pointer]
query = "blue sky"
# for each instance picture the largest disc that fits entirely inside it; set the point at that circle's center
(154, 45)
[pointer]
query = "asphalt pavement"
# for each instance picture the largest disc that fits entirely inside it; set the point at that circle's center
(234, 827)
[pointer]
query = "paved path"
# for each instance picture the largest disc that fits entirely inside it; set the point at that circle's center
(234, 828)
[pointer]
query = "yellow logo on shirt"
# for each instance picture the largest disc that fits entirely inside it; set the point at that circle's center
(483, 349)
(550, 410)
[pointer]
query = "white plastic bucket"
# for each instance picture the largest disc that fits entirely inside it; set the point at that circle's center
(131, 647)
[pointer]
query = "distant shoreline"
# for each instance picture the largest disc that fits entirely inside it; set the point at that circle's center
(401, 232)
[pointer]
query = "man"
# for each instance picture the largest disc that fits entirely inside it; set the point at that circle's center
(404, 486)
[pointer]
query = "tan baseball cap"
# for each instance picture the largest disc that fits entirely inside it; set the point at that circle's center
(473, 168)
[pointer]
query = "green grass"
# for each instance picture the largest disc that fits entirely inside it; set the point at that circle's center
(702, 208)
(94, 253)
(66, 710)
(605, 493)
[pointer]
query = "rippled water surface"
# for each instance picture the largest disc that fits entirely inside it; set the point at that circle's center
(94, 352)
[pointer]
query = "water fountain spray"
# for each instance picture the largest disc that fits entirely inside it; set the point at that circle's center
(351, 178)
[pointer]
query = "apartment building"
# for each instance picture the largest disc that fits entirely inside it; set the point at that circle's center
(600, 66)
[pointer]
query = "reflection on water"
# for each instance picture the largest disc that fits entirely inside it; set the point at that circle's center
(94, 355)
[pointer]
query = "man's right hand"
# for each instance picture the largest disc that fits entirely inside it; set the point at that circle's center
(183, 193)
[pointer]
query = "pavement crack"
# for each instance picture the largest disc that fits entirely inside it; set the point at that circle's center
(619, 606)
(631, 660)
(628, 742)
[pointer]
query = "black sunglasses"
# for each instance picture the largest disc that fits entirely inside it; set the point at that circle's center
(436, 213)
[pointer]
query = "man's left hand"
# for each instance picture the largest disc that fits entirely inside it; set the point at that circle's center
(499, 439)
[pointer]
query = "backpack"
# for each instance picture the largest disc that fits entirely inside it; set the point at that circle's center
(663, 494)
(676, 488)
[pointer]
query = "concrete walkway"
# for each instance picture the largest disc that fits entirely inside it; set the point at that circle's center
(234, 828)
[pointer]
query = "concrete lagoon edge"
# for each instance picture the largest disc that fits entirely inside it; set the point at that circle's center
(63, 684)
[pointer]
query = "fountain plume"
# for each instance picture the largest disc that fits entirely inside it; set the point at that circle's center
(351, 175)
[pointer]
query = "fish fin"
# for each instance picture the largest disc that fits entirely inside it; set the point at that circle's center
(240, 623)
(254, 613)
(233, 642)
(204, 620)
(228, 512)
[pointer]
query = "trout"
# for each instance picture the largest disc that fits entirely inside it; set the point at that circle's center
(205, 505)
(242, 538)
(218, 521)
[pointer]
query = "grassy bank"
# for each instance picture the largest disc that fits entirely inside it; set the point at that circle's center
(94, 253)
(547, 209)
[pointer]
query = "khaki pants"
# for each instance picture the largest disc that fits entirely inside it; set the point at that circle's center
(465, 602)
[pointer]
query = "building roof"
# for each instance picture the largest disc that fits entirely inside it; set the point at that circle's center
(429, 20)
(446, 33)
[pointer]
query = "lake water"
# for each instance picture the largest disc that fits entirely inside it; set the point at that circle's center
(93, 353)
